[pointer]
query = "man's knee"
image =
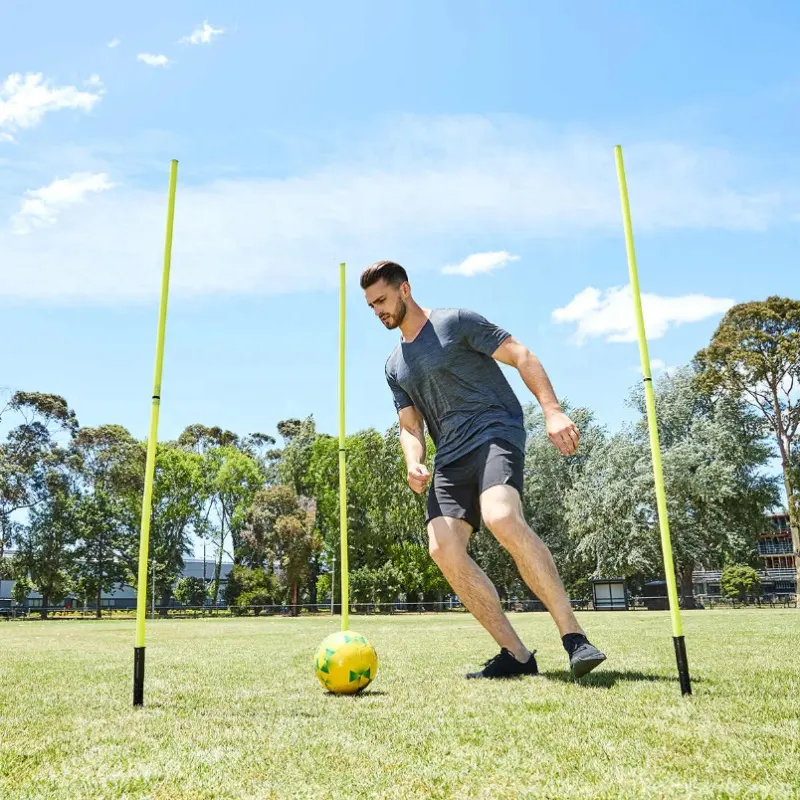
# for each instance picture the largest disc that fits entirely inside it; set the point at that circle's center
(506, 522)
(447, 540)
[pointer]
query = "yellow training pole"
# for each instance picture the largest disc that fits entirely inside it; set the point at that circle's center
(147, 501)
(661, 500)
(345, 581)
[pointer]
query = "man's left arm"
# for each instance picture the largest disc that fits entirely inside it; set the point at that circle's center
(560, 428)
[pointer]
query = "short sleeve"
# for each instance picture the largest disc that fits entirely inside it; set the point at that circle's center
(479, 333)
(399, 395)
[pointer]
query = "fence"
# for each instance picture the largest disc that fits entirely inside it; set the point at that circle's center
(635, 603)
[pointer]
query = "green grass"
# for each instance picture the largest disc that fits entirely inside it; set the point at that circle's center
(234, 710)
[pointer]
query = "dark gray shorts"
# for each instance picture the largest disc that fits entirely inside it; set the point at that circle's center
(456, 487)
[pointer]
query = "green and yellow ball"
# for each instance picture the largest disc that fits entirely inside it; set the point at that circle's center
(346, 662)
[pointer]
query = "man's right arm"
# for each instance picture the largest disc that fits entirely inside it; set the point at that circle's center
(412, 440)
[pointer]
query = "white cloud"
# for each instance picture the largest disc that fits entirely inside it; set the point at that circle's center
(406, 191)
(609, 314)
(480, 262)
(41, 207)
(656, 364)
(114, 43)
(203, 34)
(153, 60)
(25, 99)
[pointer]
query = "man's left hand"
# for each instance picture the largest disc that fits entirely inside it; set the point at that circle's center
(562, 432)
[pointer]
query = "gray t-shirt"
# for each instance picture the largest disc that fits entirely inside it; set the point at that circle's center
(447, 372)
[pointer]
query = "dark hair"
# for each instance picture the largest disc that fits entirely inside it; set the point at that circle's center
(387, 271)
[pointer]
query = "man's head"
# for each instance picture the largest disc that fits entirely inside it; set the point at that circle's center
(387, 292)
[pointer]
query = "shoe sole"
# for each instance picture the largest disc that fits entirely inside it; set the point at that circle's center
(586, 665)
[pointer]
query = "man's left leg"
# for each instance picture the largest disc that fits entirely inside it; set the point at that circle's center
(501, 508)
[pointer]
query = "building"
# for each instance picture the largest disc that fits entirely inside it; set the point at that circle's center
(775, 545)
(124, 596)
(778, 574)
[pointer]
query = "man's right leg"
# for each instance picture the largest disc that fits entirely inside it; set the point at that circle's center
(448, 538)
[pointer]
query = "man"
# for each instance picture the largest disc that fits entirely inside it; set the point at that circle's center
(444, 373)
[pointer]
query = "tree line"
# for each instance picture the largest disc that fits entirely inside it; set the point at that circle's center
(70, 496)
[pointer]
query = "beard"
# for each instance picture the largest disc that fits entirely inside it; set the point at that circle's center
(395, 320)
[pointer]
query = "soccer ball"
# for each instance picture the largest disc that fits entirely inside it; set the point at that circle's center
(346, 662)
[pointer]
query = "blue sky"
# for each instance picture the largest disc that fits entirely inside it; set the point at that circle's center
(422, 132)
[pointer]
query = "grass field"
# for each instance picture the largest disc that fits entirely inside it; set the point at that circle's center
(234, 710)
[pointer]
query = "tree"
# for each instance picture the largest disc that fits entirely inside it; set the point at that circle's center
(278, 533)
(190, 591)
(27, 454)
(755, 355)
(498, 565)
(419, 577)
(716, 452)
(549, 476)
(362, 584)
(298, 544)
(713, 453)
(322, 481)
(261, 447)
(200, 438)
(22, 588)
(233, 479)
(44, 547)
(323, 586)
(739, 581)
(179, 491)
(260, 542)
(299, 436)
(248, 587)
(106, 462)
(609, 511)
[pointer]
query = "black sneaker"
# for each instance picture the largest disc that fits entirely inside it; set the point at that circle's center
(584, 659)
(504, 665)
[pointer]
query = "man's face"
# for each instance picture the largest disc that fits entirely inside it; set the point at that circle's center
(388, 302)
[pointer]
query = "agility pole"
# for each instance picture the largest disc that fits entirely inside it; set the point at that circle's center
(661, 500)
(345, 579)
(152, 442)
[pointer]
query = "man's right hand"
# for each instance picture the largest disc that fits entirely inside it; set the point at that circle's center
(418, 477)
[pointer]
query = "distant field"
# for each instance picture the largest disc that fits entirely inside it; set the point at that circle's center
(234, 710)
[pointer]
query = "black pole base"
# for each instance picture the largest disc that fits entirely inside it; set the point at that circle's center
(683, 664)
(138, 676)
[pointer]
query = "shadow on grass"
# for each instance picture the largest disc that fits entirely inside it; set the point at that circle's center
(367, 693)
(605, 679)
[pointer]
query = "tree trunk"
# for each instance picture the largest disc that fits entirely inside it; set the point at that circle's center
(294, 599)
(785, 449)
(687, 589)
(312, 590)
(45, 604)
(99, 610)
(217, 573)
(794, 523)
(220, 548)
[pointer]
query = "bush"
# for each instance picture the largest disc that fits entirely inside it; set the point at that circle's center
(580, 589)
(739, 581)
(323, 586)
(256, 600)
(245, 583)
(22, 588)
(190, 591)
